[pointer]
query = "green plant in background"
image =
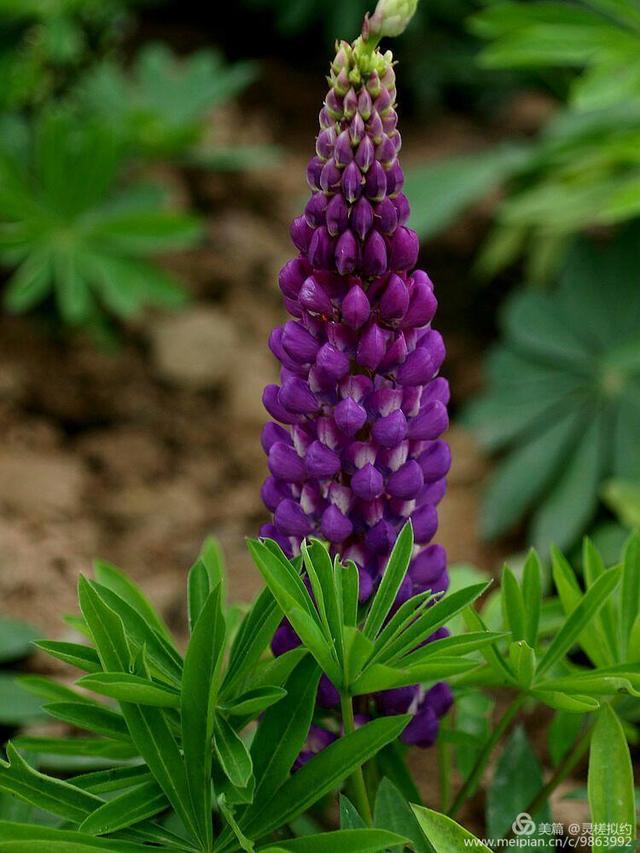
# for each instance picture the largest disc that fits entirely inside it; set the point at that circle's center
(194, 752)
(45, 45)
(563, 400)
(73, 231)
(161, 107)
(584, 167)
(16, 705)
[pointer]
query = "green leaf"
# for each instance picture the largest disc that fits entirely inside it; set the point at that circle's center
(112, 578)
(570, 595)
(17, 705)
(82, 657)
(284, 729)
(580, 618)
(253, 702)
(19, 838)
(630, 594)
(113, 779)
(394, 573)
(232, 753)
(392, 812)
(593, 568)
(147, 726)
(349, 817)
(426, 623)
(444, 834)
(526, 473)
(200, 684)
(574, 498)
(160, 653)
(381, 677)
(321, 775)
(253, 637)
(95, 718)
(131, 688)
(127, 809)
(353, 840)
(523, 661)
(441, 191)
(349, 584)
(198, 589)
(52, 795)
(572, 703)
(611, 795)
(532, 596)
(516, 780)
(16, 640)
(513, 604)
(98, 748)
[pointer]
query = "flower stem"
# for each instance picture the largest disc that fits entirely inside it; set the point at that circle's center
(471, 782)
(358, 787)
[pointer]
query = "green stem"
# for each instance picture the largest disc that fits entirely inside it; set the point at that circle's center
(561, 772)
(471, 782)
(358, 787)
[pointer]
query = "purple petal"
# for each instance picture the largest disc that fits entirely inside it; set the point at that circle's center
(428, 566)
(273, 492)
(422, 730)
(406, 482)
(355, 307)
(432, 421)
(349, 416)
(273, 432)
(395, 299)
(301, 233)
(337, 215)
(435, 461)
(374, 254)
(291, 520)
(296, 396)
(271, 402)
(321, 462)
(285, 464)
(335, 526)
(367, 483)
(372, 347)
(390, 431)
(314, 297)
(291, 276)
(352, 182)
(347, 252)
(333, 362)
(425, 524)
(299, 343)
(404, 249)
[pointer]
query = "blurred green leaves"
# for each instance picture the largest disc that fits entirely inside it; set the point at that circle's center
(73, 234)
(563, 399)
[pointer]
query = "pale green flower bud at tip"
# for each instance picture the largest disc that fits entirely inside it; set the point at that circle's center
(391, 17)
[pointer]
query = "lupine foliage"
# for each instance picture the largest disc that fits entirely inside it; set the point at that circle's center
(563, 401)
(194, 751)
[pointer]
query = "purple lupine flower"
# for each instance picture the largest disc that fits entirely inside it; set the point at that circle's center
(360, 406)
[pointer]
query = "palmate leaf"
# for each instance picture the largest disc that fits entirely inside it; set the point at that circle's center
(573, 354)
(73, 234)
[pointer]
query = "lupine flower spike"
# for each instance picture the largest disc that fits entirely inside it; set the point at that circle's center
(354, 448)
